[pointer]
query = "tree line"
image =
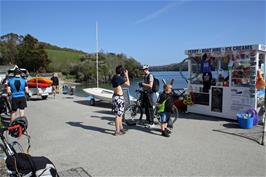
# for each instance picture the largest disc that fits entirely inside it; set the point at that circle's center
(27, 52)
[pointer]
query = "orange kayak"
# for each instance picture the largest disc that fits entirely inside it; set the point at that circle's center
(36, 84)
(40, 80)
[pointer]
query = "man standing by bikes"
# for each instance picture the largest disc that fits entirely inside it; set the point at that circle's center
(147, 100)
(17, 88)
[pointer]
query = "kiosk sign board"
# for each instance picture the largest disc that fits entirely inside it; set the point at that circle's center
(223, 50)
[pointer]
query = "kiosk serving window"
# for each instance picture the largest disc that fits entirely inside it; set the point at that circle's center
(243, 71)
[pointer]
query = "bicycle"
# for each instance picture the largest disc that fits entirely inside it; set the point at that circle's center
(134, 112)
(5, 105)
(21, 164)
(10, 148)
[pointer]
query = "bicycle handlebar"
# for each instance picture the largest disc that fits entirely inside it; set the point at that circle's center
(2, 130)
(138, 90)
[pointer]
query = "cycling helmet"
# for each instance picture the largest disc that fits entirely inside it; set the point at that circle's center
(145, 67)
(22, 122)
(17, 71)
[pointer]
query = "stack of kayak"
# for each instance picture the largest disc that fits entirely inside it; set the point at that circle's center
(41, 82)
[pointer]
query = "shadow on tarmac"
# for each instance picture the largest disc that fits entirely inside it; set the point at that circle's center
(36, 99)
(128, 127)
(144, 129)
(109, 112)
(83, 102)
(254, 134)
(108, 118)
(92, 128)
(97, 104)
(202, 117)
(231, 125)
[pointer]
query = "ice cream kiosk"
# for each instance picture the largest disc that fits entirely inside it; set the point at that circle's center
(237, 80)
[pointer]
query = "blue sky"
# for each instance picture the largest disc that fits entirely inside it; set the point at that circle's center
(152, 32)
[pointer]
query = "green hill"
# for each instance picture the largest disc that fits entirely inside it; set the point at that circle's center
(62, 56)
(170, 67)
(28, 52)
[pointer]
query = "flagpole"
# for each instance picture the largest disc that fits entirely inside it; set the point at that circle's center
(97, 75)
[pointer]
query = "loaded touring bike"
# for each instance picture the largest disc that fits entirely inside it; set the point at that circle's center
(5, 106)
(134, 112)
(18, 163)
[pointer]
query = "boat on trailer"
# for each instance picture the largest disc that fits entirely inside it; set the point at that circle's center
(101, 94)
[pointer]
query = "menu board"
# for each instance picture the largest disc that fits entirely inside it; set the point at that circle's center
(201, 98)
(241, 99)
(217, 99)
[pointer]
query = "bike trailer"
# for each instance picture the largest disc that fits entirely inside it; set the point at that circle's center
(28, 166)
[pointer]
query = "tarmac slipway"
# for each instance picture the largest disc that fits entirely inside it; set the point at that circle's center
(77, 136)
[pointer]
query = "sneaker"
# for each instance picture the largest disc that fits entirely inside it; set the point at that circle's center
(123, 131)
(118, 133)
(165, 134)
(142, 122)
(169, 126)
(168, 131)
(151, 126)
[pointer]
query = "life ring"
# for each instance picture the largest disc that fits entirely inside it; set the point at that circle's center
(188, 100)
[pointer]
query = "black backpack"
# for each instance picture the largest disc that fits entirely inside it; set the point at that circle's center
(155, 85)
(27, 165)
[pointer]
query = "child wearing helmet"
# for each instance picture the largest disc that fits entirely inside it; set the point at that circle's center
(165, 104)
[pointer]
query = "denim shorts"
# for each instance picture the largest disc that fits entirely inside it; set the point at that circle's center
(164, 117)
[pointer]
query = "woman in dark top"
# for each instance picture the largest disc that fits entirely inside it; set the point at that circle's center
(119, 80)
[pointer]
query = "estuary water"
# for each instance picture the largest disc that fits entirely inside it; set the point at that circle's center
(179, 82)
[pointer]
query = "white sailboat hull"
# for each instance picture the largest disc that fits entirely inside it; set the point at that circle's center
(100, 93)
(103, 94)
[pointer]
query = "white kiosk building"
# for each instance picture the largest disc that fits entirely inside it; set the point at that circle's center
(233, 88)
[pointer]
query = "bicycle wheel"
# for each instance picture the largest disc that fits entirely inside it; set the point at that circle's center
(2, 151)
(5, 119)
(132, 114)
(174, 116)
(17, 147)
(8, 108)
(156, 115)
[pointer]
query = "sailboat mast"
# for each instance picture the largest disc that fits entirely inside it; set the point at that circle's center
(97, 75)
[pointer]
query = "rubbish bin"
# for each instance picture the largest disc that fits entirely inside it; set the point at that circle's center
(245, 120)
(254, 114)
